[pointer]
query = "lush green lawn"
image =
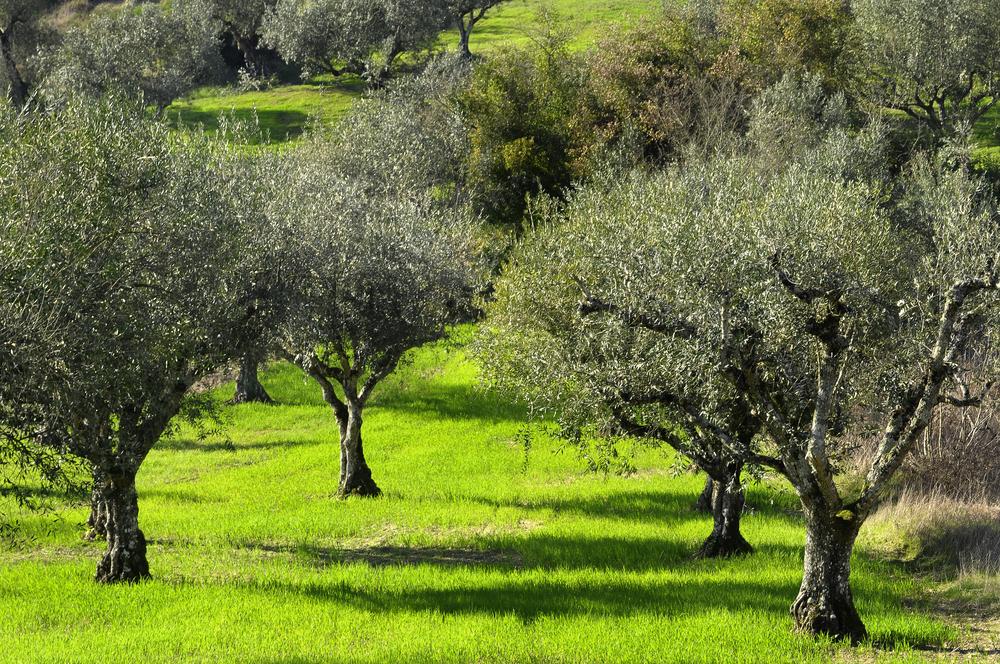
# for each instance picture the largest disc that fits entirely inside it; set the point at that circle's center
(281, 113)
(479, 551)
(284, 111)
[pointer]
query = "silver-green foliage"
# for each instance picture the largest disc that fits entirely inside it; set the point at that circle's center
(126, 260)
(157, 51)
(360, 37)
(937, 61)
(22, 31)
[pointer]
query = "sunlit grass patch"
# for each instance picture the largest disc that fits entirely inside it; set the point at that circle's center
(472, 555)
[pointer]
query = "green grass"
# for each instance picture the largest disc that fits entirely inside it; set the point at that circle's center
(281, 113)
(284, 111)
(478, 552)
(584, 22)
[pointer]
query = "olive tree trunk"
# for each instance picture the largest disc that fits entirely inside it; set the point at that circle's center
(727, 507)
(464, 36)
(825, 604)
(355, 475)
(248, 386)
(704, 503)
(18, 89)
(97, 523)
(125, 558)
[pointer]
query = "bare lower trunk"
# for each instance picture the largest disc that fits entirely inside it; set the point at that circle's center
(18, 88)
(125, 558)
(97, 523)
(704, 503)
(727, 508)
(251, 54)
(355, 475)
(248, 386)
(464, 34)
(825, 604)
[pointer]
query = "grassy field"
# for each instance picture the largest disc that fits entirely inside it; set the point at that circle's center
(482, 550)
(283, 111)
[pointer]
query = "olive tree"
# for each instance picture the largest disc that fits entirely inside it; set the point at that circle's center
(21, 31)
(569, 333)
(465, 14)
(936, 61)
(242, 21)
(135, 244)
(157, 51)
(384, 275)
(832, 318)
(362, 37)
(379, 252)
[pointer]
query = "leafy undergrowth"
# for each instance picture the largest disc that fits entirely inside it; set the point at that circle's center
(483, 549)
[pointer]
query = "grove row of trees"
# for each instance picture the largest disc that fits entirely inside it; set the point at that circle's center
(163, 50)
(760, 285)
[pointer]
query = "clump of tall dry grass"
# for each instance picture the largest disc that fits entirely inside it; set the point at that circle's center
(939, 533)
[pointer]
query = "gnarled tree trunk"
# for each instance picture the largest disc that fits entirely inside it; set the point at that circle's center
(825, 604)
(727, 507)
(464, 35)
(248, 386)
(355, 475)
(125, 558)
(18, 87)
(704, 503)
(97, 523)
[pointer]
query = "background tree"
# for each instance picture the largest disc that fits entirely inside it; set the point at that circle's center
(242, 22)
(382, 255)
(465, 14)
(664, 86)
(133, 242)
(521, 110)
(362, 37)
(936, 61)
(22, 30)
(158, 51)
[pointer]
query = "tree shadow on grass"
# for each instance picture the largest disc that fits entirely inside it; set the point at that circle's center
(582, 576)
(193, 444)
(658, 506)
(451, 401)
(277, 126)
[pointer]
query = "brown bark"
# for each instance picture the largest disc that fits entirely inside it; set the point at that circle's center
(825, 604)
(97, 523)
(464, 35)
(355, 475)
(704, 503)
(248, 386)
(125, 558)
(728, 501)
(18, 87)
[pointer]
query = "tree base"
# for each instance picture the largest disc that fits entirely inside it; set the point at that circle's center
(124, 562)
(823, 614)
(361, 489)
(248, 386)
(262, 398)
(724, 547)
